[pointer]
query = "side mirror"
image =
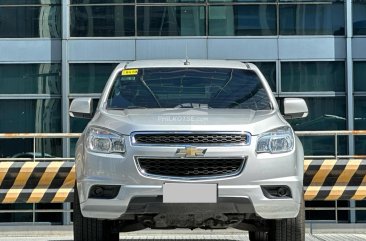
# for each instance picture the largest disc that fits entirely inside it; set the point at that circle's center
(81, 108)
(295, 108)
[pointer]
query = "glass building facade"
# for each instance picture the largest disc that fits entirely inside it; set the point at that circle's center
(52, 51)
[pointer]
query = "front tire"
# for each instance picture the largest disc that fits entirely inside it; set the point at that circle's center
(91, 229)
(290, 229)
(258, 236)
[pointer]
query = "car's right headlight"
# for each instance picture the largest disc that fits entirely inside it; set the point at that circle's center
(104, 141)
(278, 140)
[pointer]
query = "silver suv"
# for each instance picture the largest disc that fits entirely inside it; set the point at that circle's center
(188, 144)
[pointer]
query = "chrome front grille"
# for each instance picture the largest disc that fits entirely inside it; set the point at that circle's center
(190, 168)
(191, 138)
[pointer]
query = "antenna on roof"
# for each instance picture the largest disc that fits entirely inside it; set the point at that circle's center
(186, 62)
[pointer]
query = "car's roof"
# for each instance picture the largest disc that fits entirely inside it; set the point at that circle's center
(193, 63)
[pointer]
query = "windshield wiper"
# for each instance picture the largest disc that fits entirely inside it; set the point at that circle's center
(135, 107)
(128, 107)
(151, 92)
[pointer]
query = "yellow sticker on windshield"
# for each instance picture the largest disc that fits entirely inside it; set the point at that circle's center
(130, 72)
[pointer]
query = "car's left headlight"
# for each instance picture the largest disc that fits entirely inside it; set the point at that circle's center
(104, 141)
(278, 140)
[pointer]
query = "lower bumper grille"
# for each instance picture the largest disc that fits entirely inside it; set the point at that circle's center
(191, 167)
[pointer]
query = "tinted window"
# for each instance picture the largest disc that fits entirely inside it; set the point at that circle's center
(30, 22)
(16, 217)
(102, 21)
(170, 1)
(89, 78)
(359, 75)
(324, 114)
(100, 1)
(171, 21)
(242, 20)
(24, 2)
(312, 19)
(30, 79)
(360, 124)
(359, 18)
(313, 76)
(240, 1)
(189, 88)
(30, 116)
(361, 215)
(360, 113)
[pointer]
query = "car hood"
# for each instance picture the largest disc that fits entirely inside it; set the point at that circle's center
(131, 120)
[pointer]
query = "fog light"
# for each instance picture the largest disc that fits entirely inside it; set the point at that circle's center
(273, 192)
(98, 191)
(104, 191)
(282, 192)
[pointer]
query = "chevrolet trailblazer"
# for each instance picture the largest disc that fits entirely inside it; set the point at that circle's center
(188, 144)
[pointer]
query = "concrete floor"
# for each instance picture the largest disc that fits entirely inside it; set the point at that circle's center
(64, 233)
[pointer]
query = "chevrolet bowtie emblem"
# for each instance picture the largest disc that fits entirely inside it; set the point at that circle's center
(190, 152)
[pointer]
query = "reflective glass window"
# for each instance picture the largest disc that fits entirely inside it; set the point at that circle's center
(89, 78)
(312, 1)
(30, 21)
(32, 2)
(102, 21)
(171, 21)
(242, 20)
(100, 1)
(41, 116)
(30, 79)
(359, 75)
(30, 116)
(359, 18)
(322, 215)
(268, 69)
(361, 215)
(171, 1)
(313, 76)
(16, 217)
(325, 113)
(54, 218)
(240, 1)
(360, 112)
(77, 125)
(312, 19)
(360, 123)
(27, 216)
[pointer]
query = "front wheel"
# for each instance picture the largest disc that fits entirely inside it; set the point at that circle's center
(91, 229)
(258, 236)
(290, 229)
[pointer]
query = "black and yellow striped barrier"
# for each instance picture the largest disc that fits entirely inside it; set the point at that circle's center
(53, 182)
(335, 179)
(36, 182)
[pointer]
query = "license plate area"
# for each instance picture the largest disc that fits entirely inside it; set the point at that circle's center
(189, 193)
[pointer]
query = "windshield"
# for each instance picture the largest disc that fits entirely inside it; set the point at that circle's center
(188, 88)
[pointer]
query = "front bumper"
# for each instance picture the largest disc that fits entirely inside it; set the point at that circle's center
(260, 170)
(263, 207)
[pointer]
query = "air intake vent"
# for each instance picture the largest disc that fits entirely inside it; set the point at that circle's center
(191, 167)
(182, 138)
